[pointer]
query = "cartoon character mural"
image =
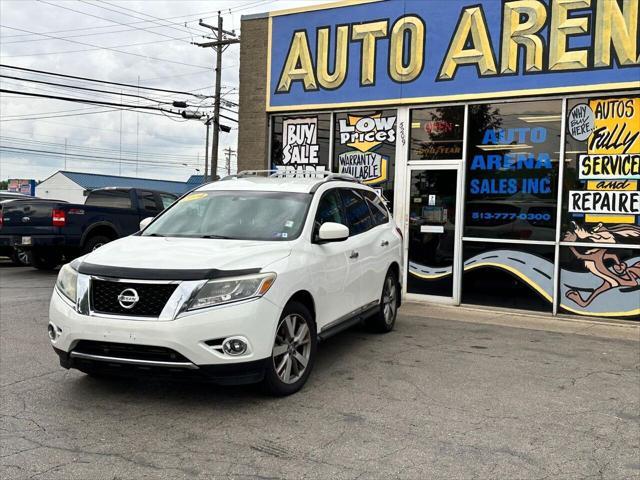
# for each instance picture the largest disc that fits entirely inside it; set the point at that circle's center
(602, 262)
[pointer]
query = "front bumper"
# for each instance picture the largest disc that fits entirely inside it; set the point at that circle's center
(254, 320)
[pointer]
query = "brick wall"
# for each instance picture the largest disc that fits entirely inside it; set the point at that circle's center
(253, 123)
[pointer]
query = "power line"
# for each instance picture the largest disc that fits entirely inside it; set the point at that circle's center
(181, 30)
(87, 79)
(92, 158)
(106, 19)
(83, 88)
(86, 149)
(195, 15)
(89, 101)
(99, 47)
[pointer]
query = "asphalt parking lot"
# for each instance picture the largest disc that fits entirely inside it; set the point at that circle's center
(436, 398)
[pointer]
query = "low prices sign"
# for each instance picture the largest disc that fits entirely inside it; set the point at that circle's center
(611, 168)
(365, 134)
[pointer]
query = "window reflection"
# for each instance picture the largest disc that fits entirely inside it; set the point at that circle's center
(437, 133)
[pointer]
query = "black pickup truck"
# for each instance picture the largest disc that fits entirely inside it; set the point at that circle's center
(51, 229)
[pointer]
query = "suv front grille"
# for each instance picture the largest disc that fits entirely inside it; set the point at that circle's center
(129, 351)
(152, 297)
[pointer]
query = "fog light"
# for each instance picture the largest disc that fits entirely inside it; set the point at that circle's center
(234, 346)
(53, 333)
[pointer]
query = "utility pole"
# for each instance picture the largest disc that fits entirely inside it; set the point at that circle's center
(229, 152)
(206, 153)
(222, 39)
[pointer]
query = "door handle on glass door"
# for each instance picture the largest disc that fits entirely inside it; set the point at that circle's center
(385, 243)
(354, 254)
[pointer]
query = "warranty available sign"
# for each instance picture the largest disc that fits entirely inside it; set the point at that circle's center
(364, 134)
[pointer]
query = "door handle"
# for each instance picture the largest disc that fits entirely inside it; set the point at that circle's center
(354, 254)
(385, 243)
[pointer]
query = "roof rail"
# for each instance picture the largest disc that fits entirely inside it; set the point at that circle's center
(328, 176)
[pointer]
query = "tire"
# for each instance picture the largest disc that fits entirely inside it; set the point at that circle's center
(283, 372)
(385, 318)
(95, 242)
(20, 257)
(46, 259)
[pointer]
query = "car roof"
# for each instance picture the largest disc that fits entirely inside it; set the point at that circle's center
(277, 184)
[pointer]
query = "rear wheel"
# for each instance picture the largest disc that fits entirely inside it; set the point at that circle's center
(94, 243)
(45, 259)
(293, 353)
(385, 318)
(20, 257)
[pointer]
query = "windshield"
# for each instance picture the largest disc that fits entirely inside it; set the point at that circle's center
(235, 215)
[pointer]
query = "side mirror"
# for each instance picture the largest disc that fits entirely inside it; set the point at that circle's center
(144, 223)
(333, 232)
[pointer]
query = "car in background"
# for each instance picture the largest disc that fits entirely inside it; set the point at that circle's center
(18, 256)
(234, 283)
(52, 230)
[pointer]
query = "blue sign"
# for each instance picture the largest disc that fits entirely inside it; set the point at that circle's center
(390, 52)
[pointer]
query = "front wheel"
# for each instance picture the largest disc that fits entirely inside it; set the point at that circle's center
(294, 351)
(385, 318)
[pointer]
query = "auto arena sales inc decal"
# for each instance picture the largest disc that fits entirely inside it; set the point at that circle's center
(365, 134)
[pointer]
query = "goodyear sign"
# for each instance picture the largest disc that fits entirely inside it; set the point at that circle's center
(363, 52)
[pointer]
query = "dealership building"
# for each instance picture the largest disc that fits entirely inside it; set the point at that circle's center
(505, 136)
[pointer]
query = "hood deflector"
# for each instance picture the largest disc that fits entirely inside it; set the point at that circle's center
(160, 274)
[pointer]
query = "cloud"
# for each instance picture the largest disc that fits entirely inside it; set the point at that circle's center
(107, 134)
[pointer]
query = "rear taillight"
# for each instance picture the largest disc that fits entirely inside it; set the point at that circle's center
(58, 218)
(1, 217)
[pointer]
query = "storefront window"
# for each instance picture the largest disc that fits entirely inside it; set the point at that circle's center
(437, 133)
(300, 144)
(600, 281)
(601, 205)
(512, 170)
(365, 147)
(508, 275)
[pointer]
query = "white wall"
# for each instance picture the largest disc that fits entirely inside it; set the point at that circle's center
(59, 187)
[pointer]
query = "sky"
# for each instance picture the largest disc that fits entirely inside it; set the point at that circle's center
(139, 42)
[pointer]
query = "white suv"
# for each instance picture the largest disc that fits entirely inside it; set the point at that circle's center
(235, 282)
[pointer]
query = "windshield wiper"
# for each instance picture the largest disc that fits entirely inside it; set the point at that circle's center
(154, 235)
(222, 237)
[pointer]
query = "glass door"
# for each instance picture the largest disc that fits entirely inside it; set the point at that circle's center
(432, 236)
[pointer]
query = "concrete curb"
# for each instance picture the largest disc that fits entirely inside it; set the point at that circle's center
(594, 327)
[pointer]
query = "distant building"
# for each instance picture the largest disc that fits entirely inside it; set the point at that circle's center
(71, 186)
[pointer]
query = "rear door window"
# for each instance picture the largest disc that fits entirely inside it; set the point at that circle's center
(166, 199)
(109, 198)
(147, 202)
(357, 212)
(379, 212)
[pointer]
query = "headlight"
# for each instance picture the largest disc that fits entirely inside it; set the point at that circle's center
(225, 290)
(67, 282)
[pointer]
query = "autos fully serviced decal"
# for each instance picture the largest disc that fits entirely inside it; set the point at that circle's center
(365, 134)
(607, 209)
(401, 51)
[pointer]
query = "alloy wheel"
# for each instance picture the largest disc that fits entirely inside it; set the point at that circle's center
(23, 256)
(389, 300)
(292, 348)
